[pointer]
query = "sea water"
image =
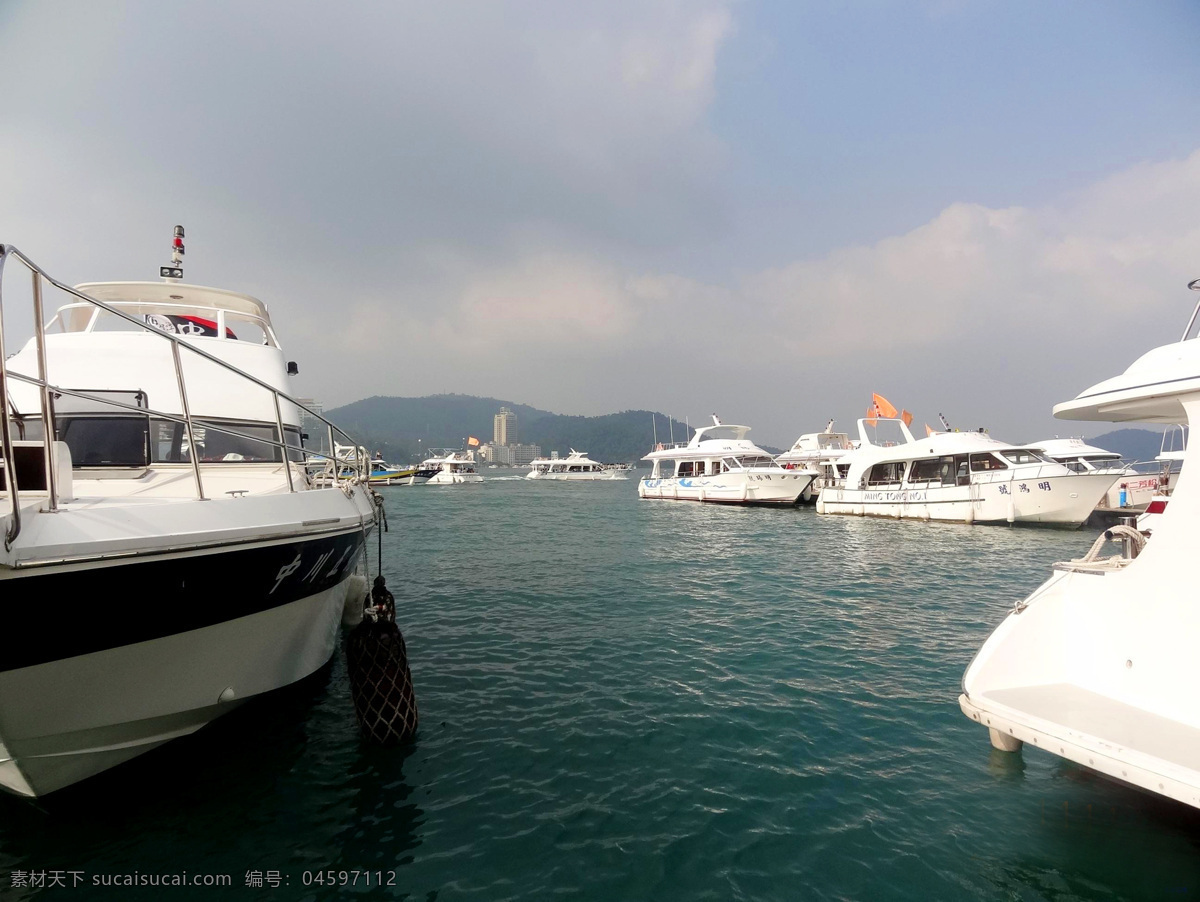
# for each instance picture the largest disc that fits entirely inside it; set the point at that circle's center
(626, 699)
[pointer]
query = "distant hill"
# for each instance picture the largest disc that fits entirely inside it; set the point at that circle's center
(1131, 444)
(614, 438)
(402, 428)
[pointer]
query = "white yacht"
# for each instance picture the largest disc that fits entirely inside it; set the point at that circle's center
(575, 467)
(166, 557)
(448, 467)
(965, 476)
(1132, 488)
(720, 464)
(1099, 664)
(820, 451)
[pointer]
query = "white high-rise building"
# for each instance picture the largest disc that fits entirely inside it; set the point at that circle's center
(504, 429)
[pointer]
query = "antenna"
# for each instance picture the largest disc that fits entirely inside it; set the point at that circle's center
(174, 272)
(1194, 285)
(829, 425)
(654, 427)
(945, 425)
(671, 423)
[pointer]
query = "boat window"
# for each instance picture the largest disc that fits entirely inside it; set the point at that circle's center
(756, 460)
(107, 441)
(927, 470)
(699, 471)
(252, 445)
(983, 462)
(716, 467)
(248, 329)
(892, 471)
(684, 468)
(1026, 456)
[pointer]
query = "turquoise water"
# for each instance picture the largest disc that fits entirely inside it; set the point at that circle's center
(626, 699)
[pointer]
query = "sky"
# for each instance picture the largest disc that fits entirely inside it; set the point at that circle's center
(766, 210)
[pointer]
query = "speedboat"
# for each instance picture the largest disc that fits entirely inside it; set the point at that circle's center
(1098, 665)
(1132, 488)
(820, 451)
(965, 476)
(165, 557)
(719, 464)
(346, 462)
(448, 467)
(575, 467)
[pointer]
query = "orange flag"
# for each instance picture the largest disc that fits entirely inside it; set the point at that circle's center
(928, 431)
(906, 417)
(472, 441)
(884, 406)
(872, 413)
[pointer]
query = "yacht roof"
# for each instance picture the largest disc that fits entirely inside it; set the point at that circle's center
(1148, 391)
(719, 433)
(1071, 448)
(176, 294)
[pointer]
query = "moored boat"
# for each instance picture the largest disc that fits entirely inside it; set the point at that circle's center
(1098, 664)
(719, 464)
(964, 476)
(820, 451)
(1134, 483)
(190, 563)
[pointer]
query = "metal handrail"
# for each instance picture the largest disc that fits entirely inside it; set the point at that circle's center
(48, 390)
(163, 415)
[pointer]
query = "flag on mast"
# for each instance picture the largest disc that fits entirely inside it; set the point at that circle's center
(472, 441)
(906, 417)
(884, 406)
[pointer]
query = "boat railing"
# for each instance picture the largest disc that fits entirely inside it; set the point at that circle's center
(49, 391)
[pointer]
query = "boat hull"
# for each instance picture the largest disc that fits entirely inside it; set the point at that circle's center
(1052, 500)
(605, 476)
(777, 489)
(454, 479)
(107, 662)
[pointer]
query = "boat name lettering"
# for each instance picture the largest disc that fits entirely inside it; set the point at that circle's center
(1044, 486)
(285, 571)
(908, 496)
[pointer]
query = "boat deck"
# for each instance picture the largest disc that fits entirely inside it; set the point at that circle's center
(1118, 739)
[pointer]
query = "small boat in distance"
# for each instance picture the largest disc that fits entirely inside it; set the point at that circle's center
(345, 464)
(447, 466)
(721, 465)
(575, 467)
(969, 477)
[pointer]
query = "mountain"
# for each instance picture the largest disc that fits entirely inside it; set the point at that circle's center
(1131, 444)
(404, 428)
(614, 438)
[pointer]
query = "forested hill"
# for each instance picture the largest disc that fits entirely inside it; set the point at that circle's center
(402, 428)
